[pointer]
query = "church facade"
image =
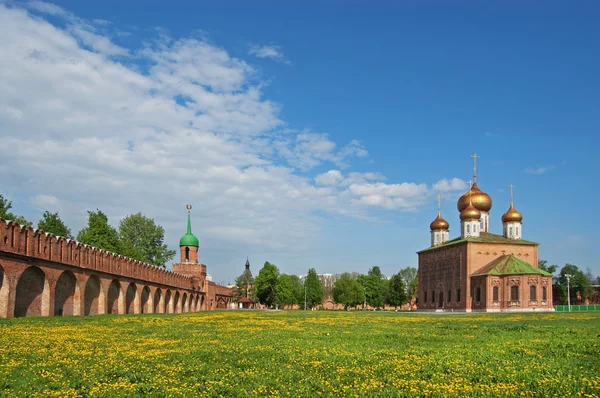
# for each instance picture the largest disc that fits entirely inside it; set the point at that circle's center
(480, 271)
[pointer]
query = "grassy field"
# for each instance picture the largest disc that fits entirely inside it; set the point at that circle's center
(302, 354)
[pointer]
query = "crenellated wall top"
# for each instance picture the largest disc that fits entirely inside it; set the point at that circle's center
(27, 241)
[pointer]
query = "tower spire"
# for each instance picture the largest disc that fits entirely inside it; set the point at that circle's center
(189, 223)
(475, 157)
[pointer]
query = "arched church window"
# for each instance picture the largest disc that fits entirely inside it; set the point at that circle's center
(468, 229)
(517, 231)
(187, 254)
(495, 293)
(514, 293)
(510, 232)
(433, 296)
(544, 293)
(478, 294)
(425, 298)
(532, 293)
(458, 295)
(437, 236)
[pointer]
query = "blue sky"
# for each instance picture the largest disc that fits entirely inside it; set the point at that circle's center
(389, 99)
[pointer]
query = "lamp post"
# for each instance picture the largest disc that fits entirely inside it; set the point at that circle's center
(569, 276)
(365, 302)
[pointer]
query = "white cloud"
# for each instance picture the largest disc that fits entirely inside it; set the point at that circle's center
(271, 51)
(539, 170)
(445, 185)
(83, 130)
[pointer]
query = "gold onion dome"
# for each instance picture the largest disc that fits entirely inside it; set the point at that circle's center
(480, 200)
(512, 215)
(439, 223)
(470, 213)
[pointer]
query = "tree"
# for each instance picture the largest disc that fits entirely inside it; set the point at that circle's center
(396, 294)
(543, 265)
(99, 233)
(5, 206)
(242, 286)
(376, 285)
(141, 237)
(314, 289)
(286, 294)
(410, 275)
(51, 223)
(265, 285)
(579, 284)
(347, 291)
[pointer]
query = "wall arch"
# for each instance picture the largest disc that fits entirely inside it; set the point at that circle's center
(146, 303)
(3, 294)
(157, 302)
(29, 299)
(92, 296)
(176, 308)
(114, 296)
(168, 308)
(131, 299)
(184, 302)
(64, 294)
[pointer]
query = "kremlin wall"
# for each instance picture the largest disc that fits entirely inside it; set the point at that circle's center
(43, 275)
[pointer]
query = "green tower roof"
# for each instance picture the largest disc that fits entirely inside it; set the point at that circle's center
(189, 239)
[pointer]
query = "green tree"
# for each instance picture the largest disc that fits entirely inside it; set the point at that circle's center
(396, 294)
(99, 233)
(286, 293)
(141, 237)
(579, 285)
(51, 223)
(376, 286)
(265, 285)
(347, 291)
(242, 286)
(5, 206)
(410, 275)
(543, 265)
(314, 289)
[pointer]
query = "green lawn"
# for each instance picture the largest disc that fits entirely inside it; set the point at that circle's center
(302, 354)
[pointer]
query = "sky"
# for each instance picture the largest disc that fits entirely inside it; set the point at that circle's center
(310, 135)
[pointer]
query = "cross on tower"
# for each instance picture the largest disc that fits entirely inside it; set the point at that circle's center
(511, 186)
(475, 157)
(439, 198)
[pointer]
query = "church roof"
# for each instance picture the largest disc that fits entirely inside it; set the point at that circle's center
(484, 237)
(510, 265)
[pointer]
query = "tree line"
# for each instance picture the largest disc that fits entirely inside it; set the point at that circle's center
(274, 289)
(137, 236)
(581, 287)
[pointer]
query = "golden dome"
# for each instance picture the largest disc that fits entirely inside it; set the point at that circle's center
(512, 215)
(481, 200)
(470, 213)
(439, 223)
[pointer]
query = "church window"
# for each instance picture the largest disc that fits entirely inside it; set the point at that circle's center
(478, 294)
(437, 236)
(187, 254)
(449, 295)
(433, 296)
(495, 293)
(544, 293)
(510, 232)
(468, 229)
(517, 231)
(532, 293)
(425, 298)
(514, 293)
(458, 295)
